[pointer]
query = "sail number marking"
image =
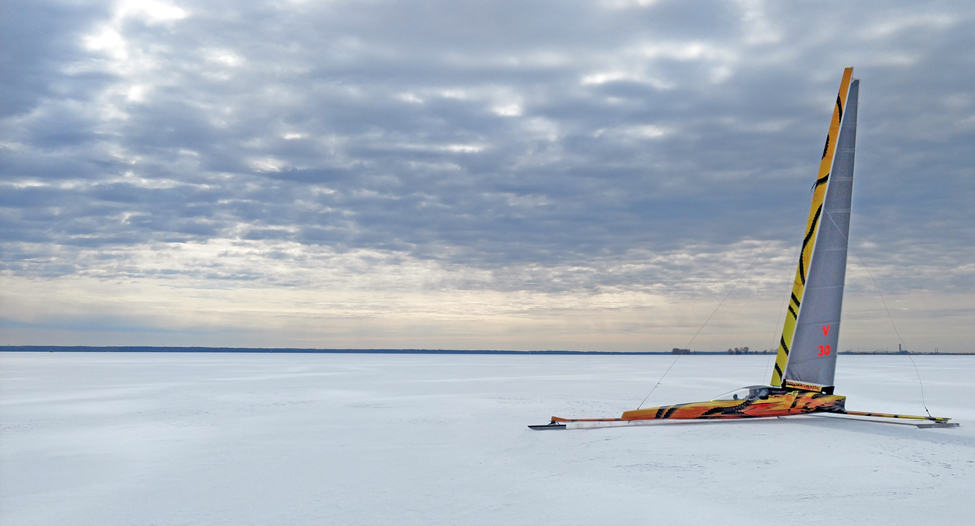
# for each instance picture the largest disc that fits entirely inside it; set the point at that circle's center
(824, 349)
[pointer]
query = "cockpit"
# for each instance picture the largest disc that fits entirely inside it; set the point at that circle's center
(752, 392)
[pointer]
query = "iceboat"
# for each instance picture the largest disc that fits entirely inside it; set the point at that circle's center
(802, 378)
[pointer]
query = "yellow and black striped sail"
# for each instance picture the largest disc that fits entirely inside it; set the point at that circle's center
(809, 242)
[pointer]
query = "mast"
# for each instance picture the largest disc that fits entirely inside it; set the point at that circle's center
(807, 349)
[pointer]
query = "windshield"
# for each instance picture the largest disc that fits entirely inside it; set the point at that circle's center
(753, 392)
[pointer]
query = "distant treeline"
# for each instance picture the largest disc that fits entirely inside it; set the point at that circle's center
(293, 350)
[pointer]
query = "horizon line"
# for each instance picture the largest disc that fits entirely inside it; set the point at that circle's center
(304, 350)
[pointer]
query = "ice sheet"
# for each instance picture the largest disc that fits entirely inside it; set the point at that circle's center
(390, 439)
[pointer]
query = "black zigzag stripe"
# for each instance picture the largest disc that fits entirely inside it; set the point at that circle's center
(805, 241)
(671, 410)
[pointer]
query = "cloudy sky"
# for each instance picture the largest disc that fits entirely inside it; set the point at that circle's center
(600, 175)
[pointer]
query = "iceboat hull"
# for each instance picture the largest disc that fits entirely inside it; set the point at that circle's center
(784, 404)
(758, 402)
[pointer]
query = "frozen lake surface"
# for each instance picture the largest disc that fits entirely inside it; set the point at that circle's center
(212, 439)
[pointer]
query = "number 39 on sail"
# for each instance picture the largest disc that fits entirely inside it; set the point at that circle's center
(802, 378)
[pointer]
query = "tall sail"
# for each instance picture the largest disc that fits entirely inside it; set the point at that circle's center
(807, 348)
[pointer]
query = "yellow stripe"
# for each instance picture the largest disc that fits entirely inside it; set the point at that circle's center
(892, 415)
(804, 386)
(812, 227)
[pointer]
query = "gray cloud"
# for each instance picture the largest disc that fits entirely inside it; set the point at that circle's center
(494, 136)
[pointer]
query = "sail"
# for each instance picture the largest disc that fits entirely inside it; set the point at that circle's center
(807, 348)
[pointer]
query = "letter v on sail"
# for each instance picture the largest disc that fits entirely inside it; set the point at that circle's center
(802, 378)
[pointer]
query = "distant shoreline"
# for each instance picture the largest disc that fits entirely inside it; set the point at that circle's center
(296, 350)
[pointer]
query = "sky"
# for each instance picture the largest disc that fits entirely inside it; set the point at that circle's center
(608, 175)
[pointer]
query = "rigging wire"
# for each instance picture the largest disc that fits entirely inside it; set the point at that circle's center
(883, 301)
(645, 398)
(900, 340)
(763, 248)
(687, 346)
(918, 372)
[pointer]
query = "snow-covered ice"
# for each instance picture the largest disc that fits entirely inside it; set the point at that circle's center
(211, 439)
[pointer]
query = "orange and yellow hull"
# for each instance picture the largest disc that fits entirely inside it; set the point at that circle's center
(790, 403)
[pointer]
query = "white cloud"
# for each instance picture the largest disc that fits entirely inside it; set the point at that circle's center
(267, 164)
(627, 4)
(462, 148)
(150, 11)
(887, 26)
(508, 110)
(109, 41)
(411, 98)
(136, 93)
(647, 131)
(760, 28)
(223, 57)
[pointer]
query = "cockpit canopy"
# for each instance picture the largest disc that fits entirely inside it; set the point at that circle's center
(752, 392)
